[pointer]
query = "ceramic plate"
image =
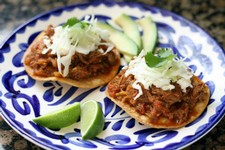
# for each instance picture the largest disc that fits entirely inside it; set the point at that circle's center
(22, 98)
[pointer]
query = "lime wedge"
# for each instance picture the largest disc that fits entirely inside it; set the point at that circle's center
(60, 118)
(92, 119)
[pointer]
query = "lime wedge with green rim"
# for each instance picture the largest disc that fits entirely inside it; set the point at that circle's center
(92, 119)
(60, 118)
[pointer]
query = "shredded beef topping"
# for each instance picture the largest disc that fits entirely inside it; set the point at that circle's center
(155, 102)
(81, 67)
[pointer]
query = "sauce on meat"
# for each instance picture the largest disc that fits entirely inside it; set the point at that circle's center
(81, 67)
(175, 106)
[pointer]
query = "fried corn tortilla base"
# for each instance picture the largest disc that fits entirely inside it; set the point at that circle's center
(84, 83)
(162, 121)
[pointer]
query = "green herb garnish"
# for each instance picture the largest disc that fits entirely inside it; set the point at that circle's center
(70, 22)
(162, 56)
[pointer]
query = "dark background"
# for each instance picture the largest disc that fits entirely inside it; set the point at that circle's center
(208, 14)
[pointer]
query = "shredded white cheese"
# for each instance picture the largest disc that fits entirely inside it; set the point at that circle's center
(174, 71)
(66, 41)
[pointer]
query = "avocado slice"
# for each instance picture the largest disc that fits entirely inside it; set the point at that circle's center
(127, 58)
(130, 28)
(122, 42)
(149, 33)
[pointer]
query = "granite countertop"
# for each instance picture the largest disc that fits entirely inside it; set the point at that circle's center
(208, 14)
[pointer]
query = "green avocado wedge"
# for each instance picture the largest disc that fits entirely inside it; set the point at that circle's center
(127, 58)
(121, 41)
(149, 36)
(130, 28)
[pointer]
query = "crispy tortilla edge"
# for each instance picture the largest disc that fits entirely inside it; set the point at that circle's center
(85, 83)
(199, 108)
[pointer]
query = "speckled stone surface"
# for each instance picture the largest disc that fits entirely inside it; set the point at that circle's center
(208, 14)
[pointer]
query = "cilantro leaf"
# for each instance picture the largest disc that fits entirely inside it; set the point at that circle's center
(70, 22)
(164, 52)
(162, 57)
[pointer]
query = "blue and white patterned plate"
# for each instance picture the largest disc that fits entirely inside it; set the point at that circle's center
(22, 98)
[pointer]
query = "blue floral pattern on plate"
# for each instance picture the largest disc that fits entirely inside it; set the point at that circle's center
(22, 98)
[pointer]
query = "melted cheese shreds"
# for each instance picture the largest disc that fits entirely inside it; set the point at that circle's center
(161, 77)
(81, 38)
